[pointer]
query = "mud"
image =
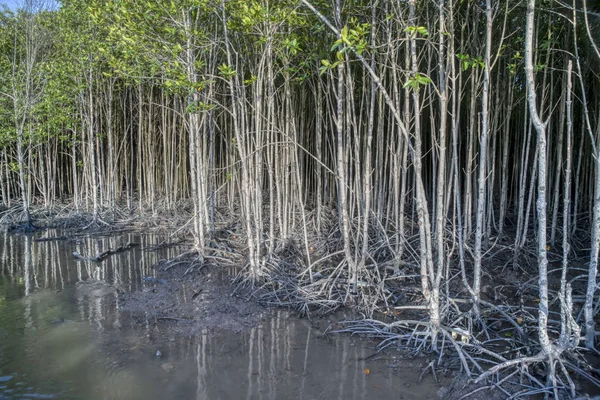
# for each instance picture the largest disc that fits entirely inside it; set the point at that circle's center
(191, 303)
(137, 327)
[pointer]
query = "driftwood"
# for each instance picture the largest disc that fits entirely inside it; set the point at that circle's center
(105, 254)
(51, 239)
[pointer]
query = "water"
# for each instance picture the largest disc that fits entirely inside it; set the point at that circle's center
(64, 339)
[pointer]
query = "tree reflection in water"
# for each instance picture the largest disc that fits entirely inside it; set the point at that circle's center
(64, 335)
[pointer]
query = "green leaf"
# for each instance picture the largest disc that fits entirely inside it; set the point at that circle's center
(344, 32)
(412, 83)
(416, 81)
(422, 79)
(423, 31)
(336, 44)
(226, 71)
(191, 108)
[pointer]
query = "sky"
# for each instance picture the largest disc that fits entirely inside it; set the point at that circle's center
(13, 4)
(10, 3)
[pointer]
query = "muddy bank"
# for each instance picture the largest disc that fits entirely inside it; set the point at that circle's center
(205, 300)
(191, 303)
(181, 301)
(70, 329)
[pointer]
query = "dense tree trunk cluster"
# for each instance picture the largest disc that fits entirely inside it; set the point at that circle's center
(383, 140)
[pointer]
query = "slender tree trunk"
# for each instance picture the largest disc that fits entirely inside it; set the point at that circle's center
(341, 161)
(92, 149)
(569, 329)
(367, 179)
(483, 149)
(540, 127)
(505, 171)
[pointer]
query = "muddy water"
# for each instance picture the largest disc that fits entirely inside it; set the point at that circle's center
(63, 336)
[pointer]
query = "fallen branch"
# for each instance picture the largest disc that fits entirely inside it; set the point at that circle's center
(51, 239)
(105, 254)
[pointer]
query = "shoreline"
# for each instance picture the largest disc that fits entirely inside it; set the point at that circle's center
(190, 295)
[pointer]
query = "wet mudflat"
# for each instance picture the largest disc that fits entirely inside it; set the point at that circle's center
(71, 329)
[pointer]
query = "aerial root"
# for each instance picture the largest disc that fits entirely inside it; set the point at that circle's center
(493, 385)
(196, 264)
(430, 366)
(556, 380)
(281, 283)
(96, 223)
(420, 335)
(189, 258)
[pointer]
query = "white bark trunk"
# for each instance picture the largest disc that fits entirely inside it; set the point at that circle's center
(540, 127)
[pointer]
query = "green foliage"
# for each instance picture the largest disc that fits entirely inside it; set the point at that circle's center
(13, 166)
(226, 71)
(350, 38)
(291, 45)
(415, 82)
(516, 61)
(467, 61)
(252, 13)
(156, 40)
(250, 80)
(26, 42)
(413, 31)
(198, 106)
(326, 65)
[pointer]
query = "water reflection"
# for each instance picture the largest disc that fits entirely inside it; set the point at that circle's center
(62, 335)
(50, 264)
(284, 358)
(53, 309)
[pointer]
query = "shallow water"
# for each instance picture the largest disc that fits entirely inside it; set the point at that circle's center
(63, 336)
